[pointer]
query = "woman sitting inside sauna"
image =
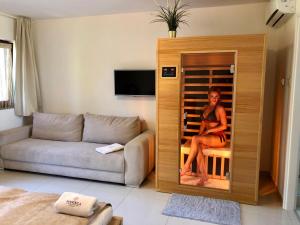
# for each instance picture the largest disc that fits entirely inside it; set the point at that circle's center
(211, 134)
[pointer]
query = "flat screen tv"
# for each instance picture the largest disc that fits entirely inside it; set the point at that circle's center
(135, 82)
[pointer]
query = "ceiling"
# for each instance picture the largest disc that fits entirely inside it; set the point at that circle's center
(46, 9)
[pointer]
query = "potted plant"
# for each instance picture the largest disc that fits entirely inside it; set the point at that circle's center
(173, 15)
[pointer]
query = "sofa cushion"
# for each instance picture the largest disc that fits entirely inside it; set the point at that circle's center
(59, 127)
(110, 129)
(72, 154)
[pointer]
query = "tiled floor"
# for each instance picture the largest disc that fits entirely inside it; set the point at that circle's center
(141, 206)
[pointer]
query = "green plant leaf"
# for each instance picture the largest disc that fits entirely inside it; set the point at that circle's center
(173, 15)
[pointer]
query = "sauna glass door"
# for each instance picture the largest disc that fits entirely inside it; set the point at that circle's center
(207, 89)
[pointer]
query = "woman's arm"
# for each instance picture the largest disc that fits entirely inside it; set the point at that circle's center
(223, 121)
(202, 125)
(202, 128)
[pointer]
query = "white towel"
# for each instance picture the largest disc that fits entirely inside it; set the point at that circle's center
(104, 217)
(76, 204)
(109, 148)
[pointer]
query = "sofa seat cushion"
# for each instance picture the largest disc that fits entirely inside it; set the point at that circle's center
(73, 154)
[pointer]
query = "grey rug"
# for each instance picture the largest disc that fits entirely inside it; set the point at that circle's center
(205, 209)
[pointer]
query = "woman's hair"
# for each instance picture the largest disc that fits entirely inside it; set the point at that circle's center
(215, 89)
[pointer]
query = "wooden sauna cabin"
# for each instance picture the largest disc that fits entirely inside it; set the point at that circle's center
(186, 69)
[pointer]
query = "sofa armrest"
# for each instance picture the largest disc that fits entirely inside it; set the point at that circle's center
(139, 158)
(15, 134)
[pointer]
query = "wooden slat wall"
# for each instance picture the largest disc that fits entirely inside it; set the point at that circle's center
(247, 117)
(216, 60)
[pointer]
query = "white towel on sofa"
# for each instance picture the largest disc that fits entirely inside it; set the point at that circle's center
(76, 204)
(110, 148)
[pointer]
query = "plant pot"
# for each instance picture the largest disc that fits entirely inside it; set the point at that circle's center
(172, 33)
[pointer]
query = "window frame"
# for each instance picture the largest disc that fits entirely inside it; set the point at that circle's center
(9, 104)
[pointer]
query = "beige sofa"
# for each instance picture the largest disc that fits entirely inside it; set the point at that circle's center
(65, 145)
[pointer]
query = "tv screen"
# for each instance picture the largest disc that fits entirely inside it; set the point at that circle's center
(134, 82)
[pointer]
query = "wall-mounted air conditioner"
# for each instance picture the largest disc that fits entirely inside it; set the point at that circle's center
(278, 11)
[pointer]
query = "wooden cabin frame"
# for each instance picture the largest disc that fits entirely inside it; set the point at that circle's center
(249, 87)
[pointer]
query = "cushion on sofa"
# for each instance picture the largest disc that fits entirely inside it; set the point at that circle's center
(72, 154)
(59, 127)
(110, 129)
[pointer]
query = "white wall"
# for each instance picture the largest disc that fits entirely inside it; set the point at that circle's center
(77, 56)
(285, 59)
(291, 176)
(285, 56)
(283, 47)
(7, 32)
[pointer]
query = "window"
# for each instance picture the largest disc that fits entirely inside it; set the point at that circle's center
(6, 78)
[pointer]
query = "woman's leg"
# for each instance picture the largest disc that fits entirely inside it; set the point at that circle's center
(192, 155)
(201, 165)
(210, 141)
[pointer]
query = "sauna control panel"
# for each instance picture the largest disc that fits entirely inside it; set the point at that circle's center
(169, 71)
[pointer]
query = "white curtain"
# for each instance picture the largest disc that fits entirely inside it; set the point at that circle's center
(27, 88)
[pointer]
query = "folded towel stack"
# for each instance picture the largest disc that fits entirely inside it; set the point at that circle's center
(76, 204)
(84, 206)
(110, 148)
